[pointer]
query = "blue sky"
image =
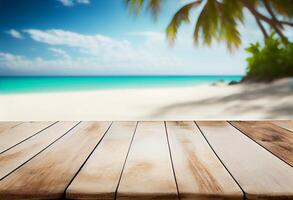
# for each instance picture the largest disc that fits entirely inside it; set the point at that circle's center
(99, 37)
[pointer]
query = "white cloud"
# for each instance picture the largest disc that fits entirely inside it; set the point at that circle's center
(59, 52)
(104, 55)
(85, 65)
(89, 44)
(83, 1)
(69, 3)
(66, 2)
(14, 33)
(149, 35)
(7, 57)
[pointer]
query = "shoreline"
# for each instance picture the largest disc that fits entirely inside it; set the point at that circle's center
(253, 101)
(12, 85)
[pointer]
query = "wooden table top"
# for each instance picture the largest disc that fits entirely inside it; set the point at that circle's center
(146, 160)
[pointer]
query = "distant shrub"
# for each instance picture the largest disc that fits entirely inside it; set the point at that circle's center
(270, 61)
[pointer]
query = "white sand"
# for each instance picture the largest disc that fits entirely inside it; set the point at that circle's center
(244, 101)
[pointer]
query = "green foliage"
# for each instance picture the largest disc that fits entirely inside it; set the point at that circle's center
(181, 16)
(218, 20)
(270, 61)
(135, 6)
(283, 7)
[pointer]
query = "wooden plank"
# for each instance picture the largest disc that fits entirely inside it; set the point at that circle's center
(13, 136)
(259, 173)
(286, 124)
(48, 174)
(148, 170)
(8, 125)
(274, 138)
(99, 177)
(199, 173)
(19, 154)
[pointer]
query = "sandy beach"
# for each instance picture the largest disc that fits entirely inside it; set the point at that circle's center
(213, 102)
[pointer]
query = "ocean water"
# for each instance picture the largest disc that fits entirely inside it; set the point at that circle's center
(63, 84)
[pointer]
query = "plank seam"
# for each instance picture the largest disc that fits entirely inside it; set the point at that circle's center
(123, 167)
(262, 146)
(39, 152)
(29, 137)
(202, 133)
(64, 193)
(171, 159)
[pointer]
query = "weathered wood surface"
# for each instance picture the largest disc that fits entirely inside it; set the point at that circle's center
(199, 173)
(272, 137)
(47, 175)
(260, 174)
(286, 124)
(18, 155)
(12, 136)
(145, 160)
(8, 125)
(99, 177)
(148, 171)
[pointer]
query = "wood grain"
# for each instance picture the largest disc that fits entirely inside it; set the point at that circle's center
(272, 137)
(99, 177)
(199, 173)
(286, 124)
(19, 154)
(260, 174)
(48, 174)
(10, 137)
(8, 125)
(148, 171)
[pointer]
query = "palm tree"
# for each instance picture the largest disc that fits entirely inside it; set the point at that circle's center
(219, 19)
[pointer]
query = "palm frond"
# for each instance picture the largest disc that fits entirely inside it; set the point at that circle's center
(135, 6)
(181, 16)
(154, 6)
(230, 14)
(207, 23)
(283, 7)
(218, 20)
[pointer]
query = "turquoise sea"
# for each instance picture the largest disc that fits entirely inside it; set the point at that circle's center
(61, 84)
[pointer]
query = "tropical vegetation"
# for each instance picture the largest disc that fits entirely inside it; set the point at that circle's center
(269, 61)
(219, 20)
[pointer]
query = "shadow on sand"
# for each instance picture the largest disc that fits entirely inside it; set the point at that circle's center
(273, 100)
